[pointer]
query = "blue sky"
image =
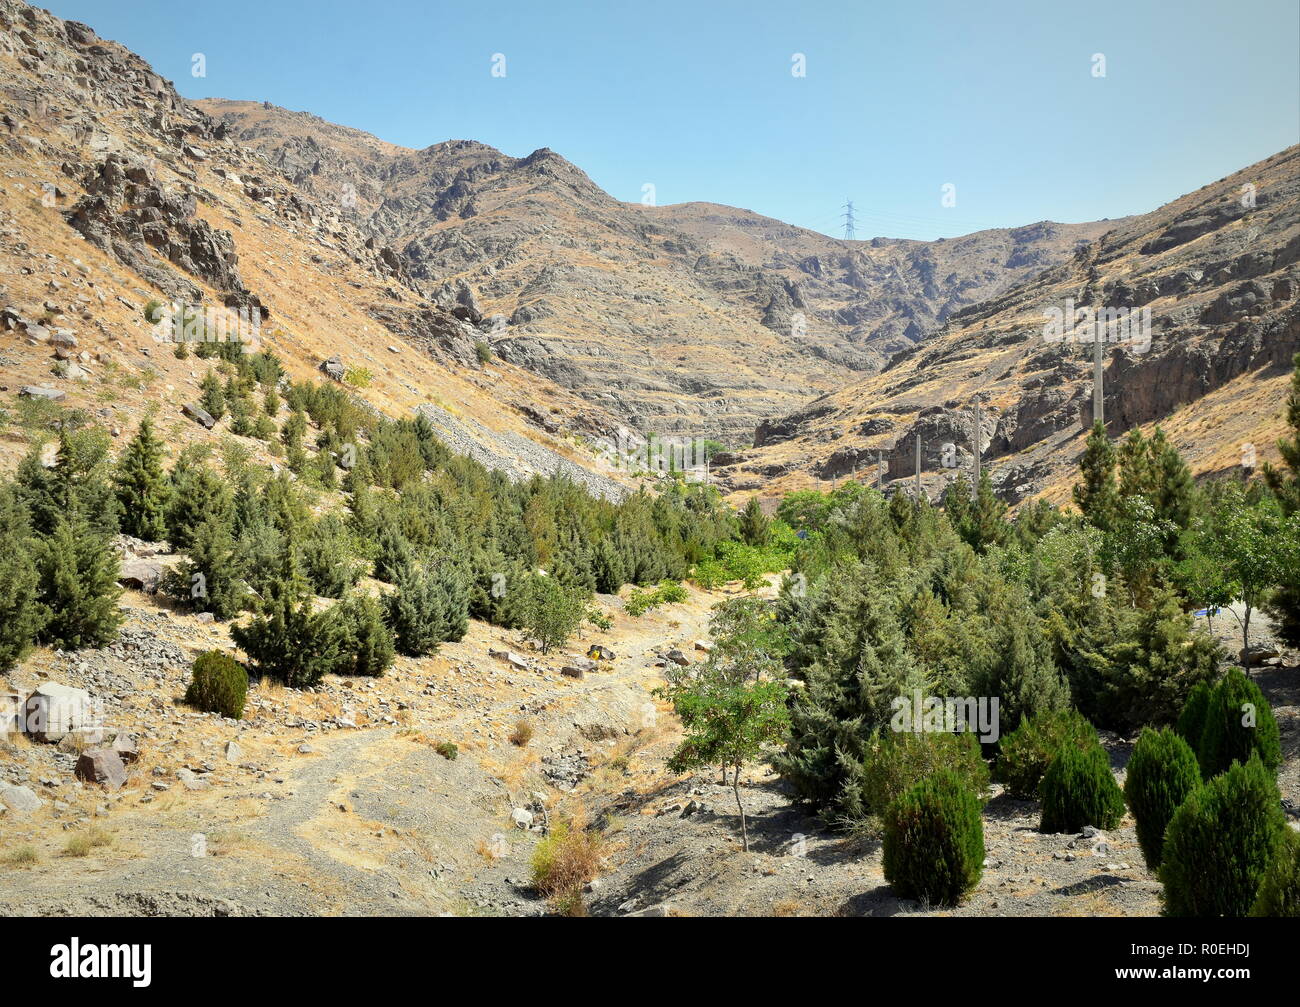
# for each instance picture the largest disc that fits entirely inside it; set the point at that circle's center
(697, 98)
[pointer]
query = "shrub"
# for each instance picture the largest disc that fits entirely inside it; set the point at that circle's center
(1078, 789)
(1279, 892)
(483, 351)
(1191, 722)
(1024, 754)
(218, 684)
(898, 760)
(522, 734)
(565, 861)
(367, 645)
(447, 749)
(1162, 772)
(1238, 721)
(552, 611)
(934, 840)
(23, 856)
(1221, 842)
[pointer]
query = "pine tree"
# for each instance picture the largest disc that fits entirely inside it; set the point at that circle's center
(210, 580)
(1097, 495)
(212, 396)
(1161, 773)
(367, 644)
(78, 570)
(754, 524)
(21, 614)
(430, 604)
(142, 487)
(197, 495)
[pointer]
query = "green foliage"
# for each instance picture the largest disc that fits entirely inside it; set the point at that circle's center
(898, 760)
(552, 611)
(934, 840)
(142, 486)
(218, 684)
(430, 604)
(1161, 773)
(21, 614)
(77, 571)
(1025, 753)
(1191, 722)
(288, 640)
(212, 397)
(1279, 891)
(483, 352)
(754, 524)
(1097, 495)
(668, 592)
(1079, 789)
(1238, 721)
(366, 646)
(1220, 843)
(447, 749)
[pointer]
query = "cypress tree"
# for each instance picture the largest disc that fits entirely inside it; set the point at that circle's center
(1279, 891)
(142, 487)
(754, 524)
(1079, 789)
(1238, 722)
(934, 841)
(1220, 843)
(1161, 773)
(430, 604)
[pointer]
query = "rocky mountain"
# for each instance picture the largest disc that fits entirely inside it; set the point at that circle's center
(1197, 303)
(695, 318)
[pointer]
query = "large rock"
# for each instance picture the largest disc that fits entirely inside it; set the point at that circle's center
(19, 800)
(333, 367)
(41, 392)
(103, 766)
(142, 574)
(199, 415)
(52, 710)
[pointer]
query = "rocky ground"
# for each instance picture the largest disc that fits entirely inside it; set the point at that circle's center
(335, 801)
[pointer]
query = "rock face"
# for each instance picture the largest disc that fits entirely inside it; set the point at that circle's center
(1191, 297)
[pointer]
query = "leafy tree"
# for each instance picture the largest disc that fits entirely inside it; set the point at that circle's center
(727, 724)
(552, 611)
(142, 487)
(1221, 842)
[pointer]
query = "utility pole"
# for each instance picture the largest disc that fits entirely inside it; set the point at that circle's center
(880, 471)
(977, 443)
(848, 219)
(918, 468)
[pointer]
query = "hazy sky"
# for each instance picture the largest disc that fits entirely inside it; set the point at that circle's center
(999, 100)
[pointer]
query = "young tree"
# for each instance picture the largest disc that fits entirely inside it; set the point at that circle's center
(212, 397)
(728, 724)
(78, 570)
(553, 611)
(142, 487)
(1097, 495)
(21, 614)
(430, 604)
(754, 524)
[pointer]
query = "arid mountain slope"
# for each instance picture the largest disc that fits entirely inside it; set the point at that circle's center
(693, 319)
(118, 192)
(1217, 272)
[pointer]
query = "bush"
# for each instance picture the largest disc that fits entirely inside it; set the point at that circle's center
(1191, 722)
(447, 749)
(1078, 789)
(1238, 721)
(1221, 842)
(668, 592)
(522, 734)
(483, 351)
(1162, 772)
(1279, 892)
(934, 840)
(218, 684)
(899, 760)
(367, 645)
(565, 861)
(1024, 754)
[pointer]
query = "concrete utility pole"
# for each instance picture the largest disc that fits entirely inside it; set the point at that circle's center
(977, 441)
(918, 467)
(1098, 409)
(880, 471)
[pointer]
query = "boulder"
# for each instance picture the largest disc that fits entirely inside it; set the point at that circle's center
(572, 671)
(41, 392)
(81, 739)
(141, 575)
(19, 800)
(199, 415)
(678, 658)
(126, 748)
(103, 766)
(522, 817)
(599, 652)
(233, 751)
(333, 367)
(52, 710)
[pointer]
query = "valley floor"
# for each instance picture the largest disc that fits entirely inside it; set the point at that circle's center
(334, 801)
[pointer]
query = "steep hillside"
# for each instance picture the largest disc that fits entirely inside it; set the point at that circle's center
(1217, 272)
(118, 193)
(684, 319)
